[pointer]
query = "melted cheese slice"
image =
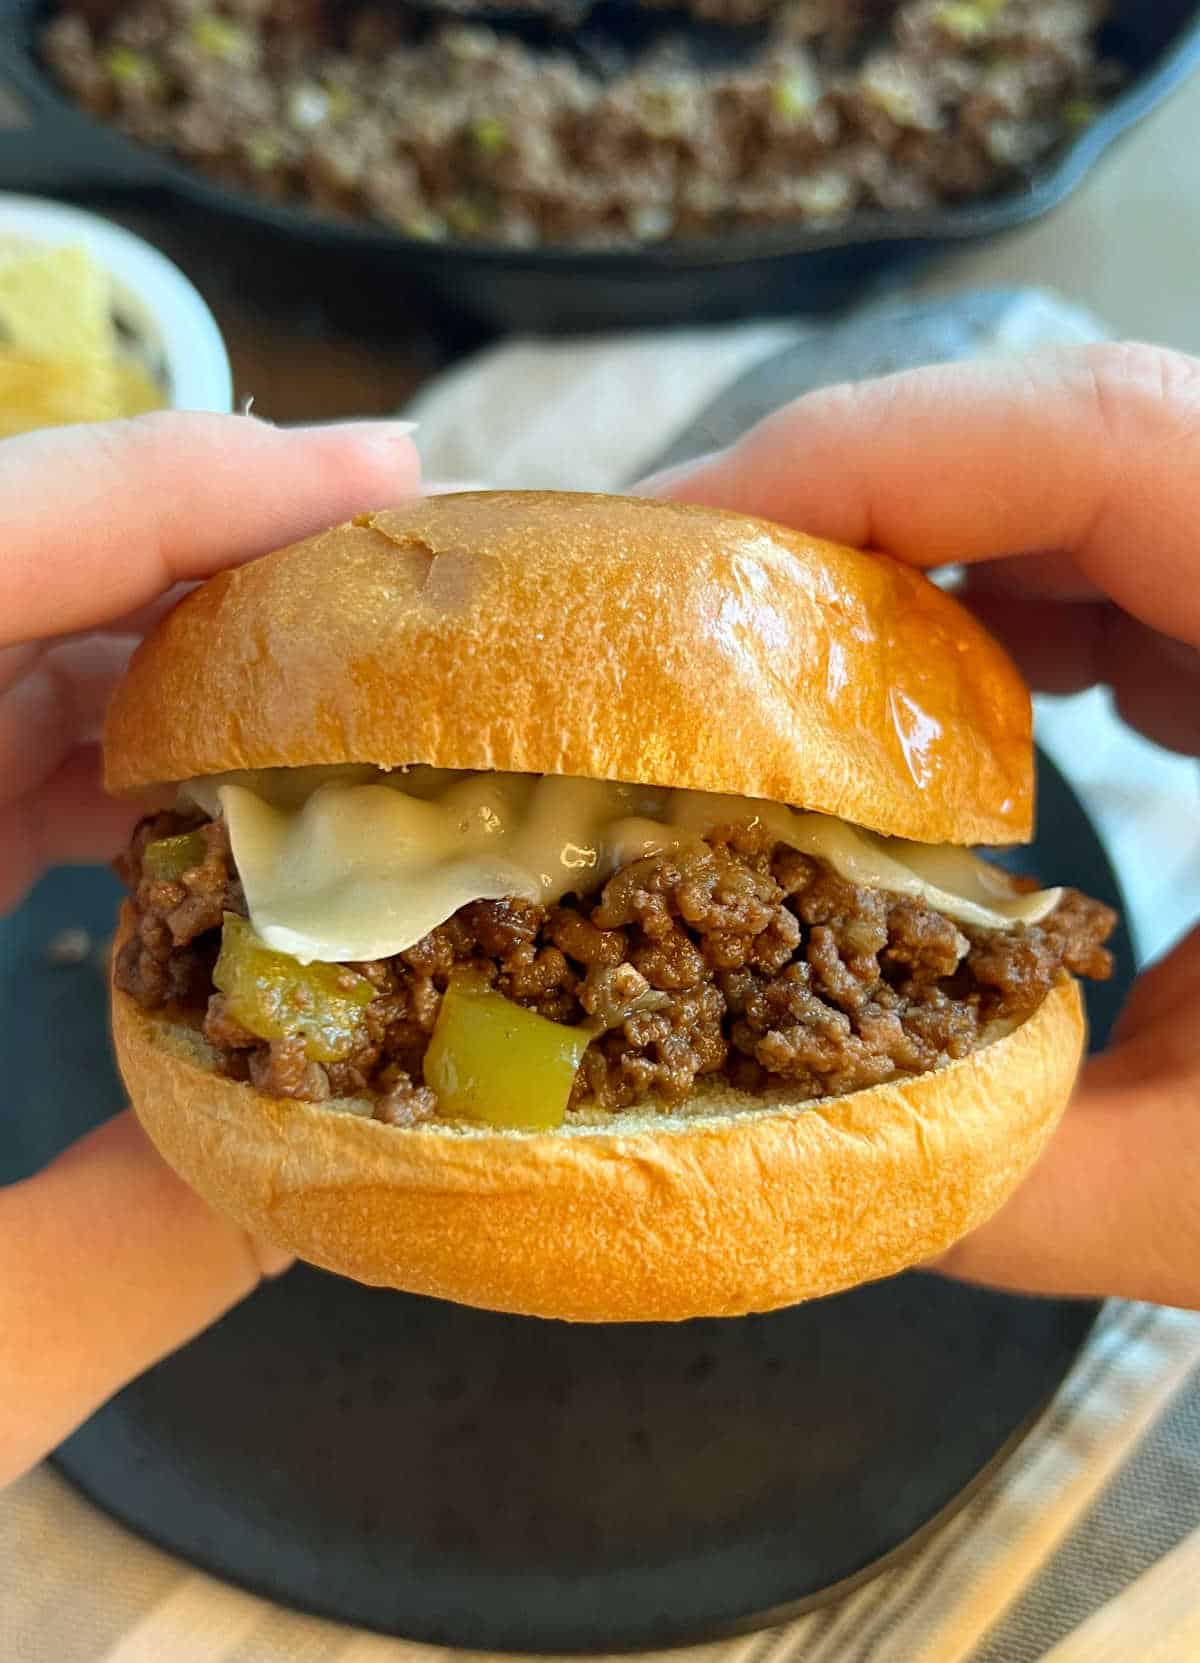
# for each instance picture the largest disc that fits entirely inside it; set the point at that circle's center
(353, 863)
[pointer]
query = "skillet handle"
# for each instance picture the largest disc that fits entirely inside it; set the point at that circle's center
(47, 144)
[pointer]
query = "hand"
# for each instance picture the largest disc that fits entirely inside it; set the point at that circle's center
(1070, 484)
(107, 1260)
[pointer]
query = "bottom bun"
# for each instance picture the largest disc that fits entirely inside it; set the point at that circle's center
(729, 1208)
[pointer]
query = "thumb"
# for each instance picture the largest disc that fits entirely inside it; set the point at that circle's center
(1113, 1206)
(108, 1261)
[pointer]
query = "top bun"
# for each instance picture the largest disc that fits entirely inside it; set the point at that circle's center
(609, 637)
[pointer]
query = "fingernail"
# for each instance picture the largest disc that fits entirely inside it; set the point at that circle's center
(452, 487)
(398, 427)
(388, 434)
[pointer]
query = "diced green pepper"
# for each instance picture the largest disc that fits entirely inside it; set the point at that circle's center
(896, 99)
(666, 109)
(489, 135)
(171, 857)
(133, 70)
(342, 102)
(495, 1061)
(968, 20)
(221, 38)
(794, 96)
(466, 216)
(425, 227)
(1078, 113)
(263, 151)
(274, 996)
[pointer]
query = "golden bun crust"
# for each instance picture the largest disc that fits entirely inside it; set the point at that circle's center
(651, 1218)
(608, 637)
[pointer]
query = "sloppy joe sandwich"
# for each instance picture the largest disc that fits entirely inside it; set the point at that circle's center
(569, 906)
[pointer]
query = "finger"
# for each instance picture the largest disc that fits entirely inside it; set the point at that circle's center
(1097, 1215)
(1060, 648)
(67, 819)
(1046, 576)
(1095, 452)
(1064, 647)
(1112, 1208)
(1159, 1017)
(142, 619)
(58, 704)
(101, 519)
(108, 1261)
(17, 661)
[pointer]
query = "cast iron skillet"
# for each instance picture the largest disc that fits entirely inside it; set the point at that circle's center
(561, 289)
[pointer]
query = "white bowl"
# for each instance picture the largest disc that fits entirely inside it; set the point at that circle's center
(151, 294)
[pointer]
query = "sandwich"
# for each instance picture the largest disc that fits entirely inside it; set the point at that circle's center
(568, 905)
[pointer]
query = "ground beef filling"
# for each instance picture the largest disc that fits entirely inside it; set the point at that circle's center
(830, 110)
(740, 958)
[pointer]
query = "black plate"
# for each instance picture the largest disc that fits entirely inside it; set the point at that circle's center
(547, 289)
(500, 1483)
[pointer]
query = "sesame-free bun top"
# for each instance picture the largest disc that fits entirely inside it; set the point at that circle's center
(607, 637)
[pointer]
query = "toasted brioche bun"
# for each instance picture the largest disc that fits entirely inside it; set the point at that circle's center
(612, 638)
(616, 639)
(729, 1207)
